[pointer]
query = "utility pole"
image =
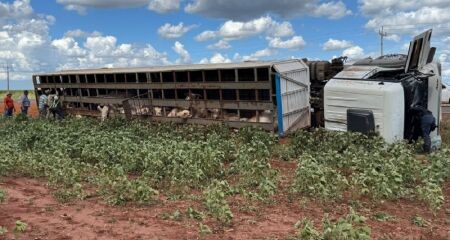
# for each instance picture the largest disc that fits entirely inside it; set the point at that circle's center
(382, 35)
(7, 77)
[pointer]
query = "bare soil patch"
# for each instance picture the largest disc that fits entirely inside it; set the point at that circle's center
(31, 201)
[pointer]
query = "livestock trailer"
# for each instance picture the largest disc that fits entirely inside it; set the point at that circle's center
(239, 94)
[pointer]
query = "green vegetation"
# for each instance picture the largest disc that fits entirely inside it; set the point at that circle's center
(20, 227)
(420, 221)
(353, 226)
(3, 231)
(135, 162)
(2, 195)
(331, 163)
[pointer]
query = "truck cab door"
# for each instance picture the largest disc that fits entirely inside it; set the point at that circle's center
(419, 49)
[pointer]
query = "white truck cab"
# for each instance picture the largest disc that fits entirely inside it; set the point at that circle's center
(379, 95)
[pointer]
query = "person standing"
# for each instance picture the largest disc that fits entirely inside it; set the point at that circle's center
(55, 107)
(43, 104)
(9, 105)
(427, 125)
(25, 103)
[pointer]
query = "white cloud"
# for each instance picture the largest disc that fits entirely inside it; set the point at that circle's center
(216, 58)
(332, 10)
(334, 44)
(81, 6)
(295, 42)
(374, 7)
(236, 30)
(16, 9)
(174, 31)
(405, 47)
(355, 52)
(443, 57)
(393, 37)
(264, 53)
(24, 38)
(222, 44)
(425, 15)
(163, 6)
(283, 29)
(78, 33)
(69, 47)
(407, 16)
(26, 44)
(245, 10)
(205, 36)
(103, 51)
(185, 57)
(233, 30)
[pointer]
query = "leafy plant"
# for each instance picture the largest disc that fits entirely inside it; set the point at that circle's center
(352, 226)
(20, 227)
(117, 189)
(382, 217)
(216, 203)
(204, 229)
(315, 179)
(3, 231)
(331, 163)
(2, 195)
(194, 214)
(420, 221)
(176, 215)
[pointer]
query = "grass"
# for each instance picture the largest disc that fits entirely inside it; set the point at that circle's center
(445, 133)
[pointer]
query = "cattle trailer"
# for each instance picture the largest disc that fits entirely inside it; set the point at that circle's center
(245, 89)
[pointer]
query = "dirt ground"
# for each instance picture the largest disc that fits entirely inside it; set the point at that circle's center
(32, 111)
(31, 201)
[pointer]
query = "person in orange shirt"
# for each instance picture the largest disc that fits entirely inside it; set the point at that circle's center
(9, 105)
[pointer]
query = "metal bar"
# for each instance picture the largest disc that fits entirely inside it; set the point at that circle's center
(245, 105)
(294, 91)
(279, 105)
(201, 121)
(193, 85)
(296, 82)
(296, 111)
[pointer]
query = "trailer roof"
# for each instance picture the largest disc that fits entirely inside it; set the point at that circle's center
(170, 68)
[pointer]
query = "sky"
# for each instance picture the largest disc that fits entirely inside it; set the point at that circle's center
(49, 35)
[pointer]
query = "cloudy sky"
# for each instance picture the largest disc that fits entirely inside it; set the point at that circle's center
(48, 35)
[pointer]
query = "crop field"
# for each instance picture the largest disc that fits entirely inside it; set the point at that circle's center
(79, 179)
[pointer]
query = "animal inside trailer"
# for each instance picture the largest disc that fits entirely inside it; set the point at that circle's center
(271, 95)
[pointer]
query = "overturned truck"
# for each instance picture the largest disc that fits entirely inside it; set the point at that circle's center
(271, 95)
(385, 94)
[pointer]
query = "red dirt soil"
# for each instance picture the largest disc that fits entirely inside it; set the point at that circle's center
(32, 111)
(31, 201)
